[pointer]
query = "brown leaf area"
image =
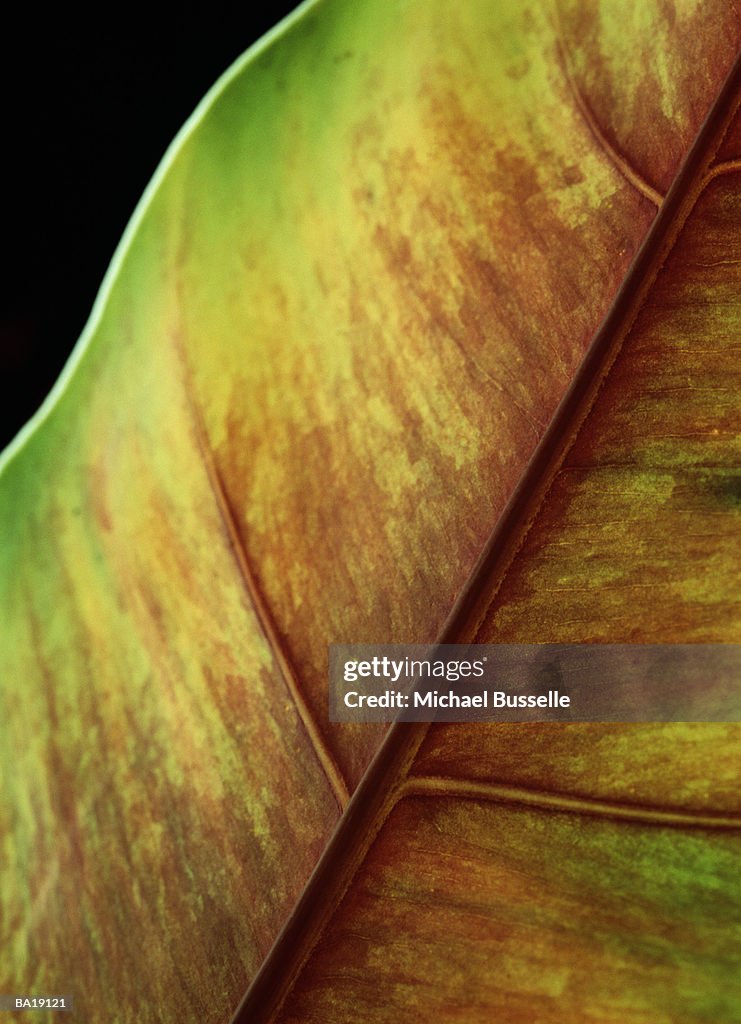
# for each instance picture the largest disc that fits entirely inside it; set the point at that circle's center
(470, 911)
(631, 765)
(427, 333)
(638, 538)
(648, 119)
(551, 873)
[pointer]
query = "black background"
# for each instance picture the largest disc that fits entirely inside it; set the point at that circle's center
(87, 117)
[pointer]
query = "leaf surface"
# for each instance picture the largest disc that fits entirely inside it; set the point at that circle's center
(323, 360)
(471, 909)
(580, 871)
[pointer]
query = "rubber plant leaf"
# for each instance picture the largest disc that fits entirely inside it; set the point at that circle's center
(424, 329)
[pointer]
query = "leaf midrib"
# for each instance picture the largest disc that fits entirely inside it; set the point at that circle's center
(386, 776)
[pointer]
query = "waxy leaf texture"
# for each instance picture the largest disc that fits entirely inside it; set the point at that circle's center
(427, 328)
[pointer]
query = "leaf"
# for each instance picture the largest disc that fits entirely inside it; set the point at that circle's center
(575, 871)
(315, 382)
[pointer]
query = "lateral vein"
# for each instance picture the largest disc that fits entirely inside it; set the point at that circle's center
(618, 159)
(473, 789)
(264, 617)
